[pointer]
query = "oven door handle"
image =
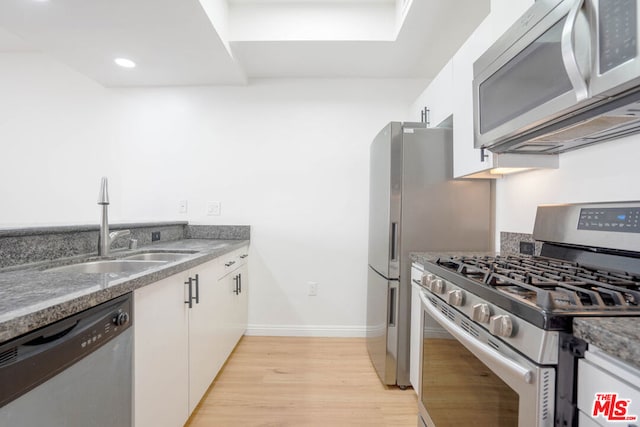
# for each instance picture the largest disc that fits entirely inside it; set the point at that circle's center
(486, 354)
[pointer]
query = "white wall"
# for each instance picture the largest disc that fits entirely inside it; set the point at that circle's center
(288, 157)
(605, 172)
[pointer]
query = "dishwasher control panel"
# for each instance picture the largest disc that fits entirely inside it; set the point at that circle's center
(111, 325)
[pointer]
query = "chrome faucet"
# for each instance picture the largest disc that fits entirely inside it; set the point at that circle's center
(105, 239)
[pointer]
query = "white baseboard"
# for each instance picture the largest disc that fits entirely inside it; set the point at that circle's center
(306, 331)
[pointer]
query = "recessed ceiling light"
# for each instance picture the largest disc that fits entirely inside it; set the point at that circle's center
(124, 62)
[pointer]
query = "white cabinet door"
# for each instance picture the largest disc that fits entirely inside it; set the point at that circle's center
(241, 302)
(205, 326)
(437, 97)
(161, 370)
(415, 348)
(467, 159)
(216, 321)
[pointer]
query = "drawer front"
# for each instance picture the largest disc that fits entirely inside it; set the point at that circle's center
(234, 260)
(621, 399)
(586, 420)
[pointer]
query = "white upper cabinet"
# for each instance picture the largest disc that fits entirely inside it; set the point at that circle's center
(436, 97)
(466, 159)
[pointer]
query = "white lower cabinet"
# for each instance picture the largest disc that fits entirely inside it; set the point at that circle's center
(609, 388)
(241, 301)
(234, 286)
(161, 354)
(179, 349)
(415, 346)
(205, 359)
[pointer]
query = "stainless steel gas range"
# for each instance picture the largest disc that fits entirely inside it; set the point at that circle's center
(497, 348)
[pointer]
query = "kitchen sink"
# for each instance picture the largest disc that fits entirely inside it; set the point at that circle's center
(109, 266)
(159, 256)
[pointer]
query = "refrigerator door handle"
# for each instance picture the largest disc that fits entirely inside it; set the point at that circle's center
(394, 241)
(393, 291)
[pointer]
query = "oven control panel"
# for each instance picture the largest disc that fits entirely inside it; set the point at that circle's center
(625, 220)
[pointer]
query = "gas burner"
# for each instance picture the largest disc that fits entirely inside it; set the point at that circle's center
(550, 284)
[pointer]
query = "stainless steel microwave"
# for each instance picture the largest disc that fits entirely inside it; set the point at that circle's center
(565, 75)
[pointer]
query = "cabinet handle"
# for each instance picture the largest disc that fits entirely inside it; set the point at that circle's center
(197, 280)
(244, 256)
(237, 280)
(188, 282)
(240, 283)
(229, 264)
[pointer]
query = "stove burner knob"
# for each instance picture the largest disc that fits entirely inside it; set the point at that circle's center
(436, 286)
(501, 325)
(426, 279)
(455, 297)
(481, 313)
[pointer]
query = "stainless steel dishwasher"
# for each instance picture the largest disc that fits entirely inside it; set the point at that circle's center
(76, 372)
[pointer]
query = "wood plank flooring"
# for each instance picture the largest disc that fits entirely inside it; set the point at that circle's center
(291, 381)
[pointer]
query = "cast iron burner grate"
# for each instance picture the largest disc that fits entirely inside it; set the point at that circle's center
(550, 284)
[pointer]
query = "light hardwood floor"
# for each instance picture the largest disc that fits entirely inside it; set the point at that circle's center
(287, 381)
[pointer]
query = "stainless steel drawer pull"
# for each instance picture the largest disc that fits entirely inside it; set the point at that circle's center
(190, 299)
(197, 280)
(229, 264)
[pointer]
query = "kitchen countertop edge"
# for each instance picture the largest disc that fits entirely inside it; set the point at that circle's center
(616, 336)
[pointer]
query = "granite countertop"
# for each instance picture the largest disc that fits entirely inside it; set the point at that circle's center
(617, 336)
(31, 297)
(425, 257)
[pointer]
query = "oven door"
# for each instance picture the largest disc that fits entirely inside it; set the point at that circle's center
(534, 73)
(470, 378)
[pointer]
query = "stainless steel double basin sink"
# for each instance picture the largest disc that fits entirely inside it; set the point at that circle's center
(128, 265)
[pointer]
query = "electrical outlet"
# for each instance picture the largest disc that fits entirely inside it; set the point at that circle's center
(182, 206)
(527, 248)
(155, 236)
(313, 288)
(213, 208)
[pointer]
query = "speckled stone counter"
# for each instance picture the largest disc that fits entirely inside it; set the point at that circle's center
(31, 297)
(20, 246)
(619, 337)
(425, 257)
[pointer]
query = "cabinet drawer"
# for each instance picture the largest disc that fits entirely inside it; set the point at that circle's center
(234, 260)
(593, 379)
(586, 420)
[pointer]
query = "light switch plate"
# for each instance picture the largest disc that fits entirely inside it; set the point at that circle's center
(182, 206)
(213, 208)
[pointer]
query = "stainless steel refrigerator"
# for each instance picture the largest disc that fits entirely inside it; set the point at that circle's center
(414, 206)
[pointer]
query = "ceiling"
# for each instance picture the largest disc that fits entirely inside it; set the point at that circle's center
(229, 42)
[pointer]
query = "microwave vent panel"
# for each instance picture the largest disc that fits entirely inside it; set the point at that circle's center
(592, 128)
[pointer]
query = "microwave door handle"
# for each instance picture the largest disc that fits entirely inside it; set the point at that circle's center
(475, 347)
(569, 59)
